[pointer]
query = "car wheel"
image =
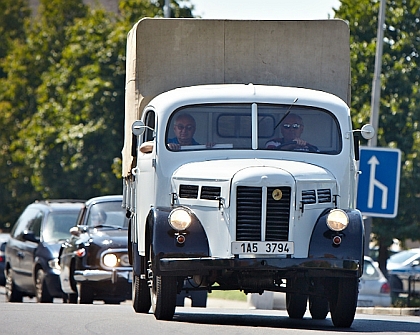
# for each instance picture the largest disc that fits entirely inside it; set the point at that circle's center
(42, 294)
(296, 305)
(12, 292)
(141, 295)
(343, 301)
(85, 294)
(163, 293)
(318, 306)
(72, 298)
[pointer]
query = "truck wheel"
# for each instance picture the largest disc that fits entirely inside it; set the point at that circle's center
(163, 296)
(12, 292)
(85, 294)
(141, 295)
(296, 305)
(42, 294)
(343, 301)
(318, 306)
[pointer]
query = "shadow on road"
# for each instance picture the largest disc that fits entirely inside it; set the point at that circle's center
(360, 324)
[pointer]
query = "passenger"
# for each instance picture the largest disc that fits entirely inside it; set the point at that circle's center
(291, 129)
(184, 129)
(98, 218)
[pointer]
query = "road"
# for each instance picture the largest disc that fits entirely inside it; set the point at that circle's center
(58, 318)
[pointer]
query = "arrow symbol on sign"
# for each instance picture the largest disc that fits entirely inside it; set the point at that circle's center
(373, 182)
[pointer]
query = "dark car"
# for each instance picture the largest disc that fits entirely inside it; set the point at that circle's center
(31, 267)
(94, 261)
(4, 237)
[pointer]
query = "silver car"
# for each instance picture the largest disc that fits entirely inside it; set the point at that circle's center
(404, 272)
(374, 289)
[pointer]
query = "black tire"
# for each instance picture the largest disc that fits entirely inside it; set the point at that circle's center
(85, 294)
(72, 298)
(141, 295)
(163, 297)
(12, 292)
(42, 293)
(318, 306)
(296, 305)
(343, 301)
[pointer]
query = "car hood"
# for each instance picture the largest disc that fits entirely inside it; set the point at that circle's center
(52, 248)
(109, 237)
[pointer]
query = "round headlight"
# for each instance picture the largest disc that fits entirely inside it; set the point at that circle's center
(180, 219)
(125, 261)
(110, 260)
(337, 220)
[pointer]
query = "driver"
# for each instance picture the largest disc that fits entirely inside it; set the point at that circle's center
(291, 129)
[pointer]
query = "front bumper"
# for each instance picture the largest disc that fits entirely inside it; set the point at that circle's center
(103, 275)
(319, 267)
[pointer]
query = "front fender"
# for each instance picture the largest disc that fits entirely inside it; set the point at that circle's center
(352, 239)
(163, 238)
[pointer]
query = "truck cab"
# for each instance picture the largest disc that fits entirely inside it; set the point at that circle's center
(222, 197)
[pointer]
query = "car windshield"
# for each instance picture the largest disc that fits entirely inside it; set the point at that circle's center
(110, 214)
(252, 126)
(57, 226)
(402, 256)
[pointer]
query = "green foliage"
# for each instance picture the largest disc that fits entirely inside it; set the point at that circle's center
(62, 99)
(400, 98)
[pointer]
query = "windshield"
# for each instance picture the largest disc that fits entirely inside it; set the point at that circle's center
(106, 214)
(252, 126)
(57, 226)
(402, 256)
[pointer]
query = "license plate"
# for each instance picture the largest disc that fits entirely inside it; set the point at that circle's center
(263, 248)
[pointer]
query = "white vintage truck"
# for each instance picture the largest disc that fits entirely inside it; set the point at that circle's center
(217, 195)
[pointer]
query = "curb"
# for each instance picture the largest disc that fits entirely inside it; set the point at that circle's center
(413, 311)
(395, 311)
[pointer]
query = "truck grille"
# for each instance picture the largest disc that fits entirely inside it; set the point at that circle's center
(210, 192)
(188, 191)
(250, 206)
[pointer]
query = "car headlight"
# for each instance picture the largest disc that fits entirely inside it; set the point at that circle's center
(337, 220)
(110, 260)
(124, 260)
(180, 218)
(53, 264)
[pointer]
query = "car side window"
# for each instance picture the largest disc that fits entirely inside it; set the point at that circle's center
(23, 221)
(34, 224)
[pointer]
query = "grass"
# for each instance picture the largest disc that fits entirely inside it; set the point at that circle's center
(228, 295)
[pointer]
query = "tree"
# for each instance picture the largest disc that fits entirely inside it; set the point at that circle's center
(400, 100)
(62, 102)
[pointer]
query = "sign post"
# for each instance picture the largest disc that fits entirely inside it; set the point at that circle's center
(379, 181)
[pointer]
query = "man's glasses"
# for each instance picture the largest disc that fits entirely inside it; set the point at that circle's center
(181, 127)
(294, 126)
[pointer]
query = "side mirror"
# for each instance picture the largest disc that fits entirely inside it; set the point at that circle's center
(30, 236)
(74, 231)
(415, 263)
(138, 128)
(367, 132)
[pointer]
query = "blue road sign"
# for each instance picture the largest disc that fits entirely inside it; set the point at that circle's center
(379, 182)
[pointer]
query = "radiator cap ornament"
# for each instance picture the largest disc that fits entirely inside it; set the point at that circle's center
(277, 194)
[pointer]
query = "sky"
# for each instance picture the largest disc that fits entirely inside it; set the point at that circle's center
(265, 9)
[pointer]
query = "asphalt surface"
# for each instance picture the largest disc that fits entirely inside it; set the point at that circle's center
(413, 311)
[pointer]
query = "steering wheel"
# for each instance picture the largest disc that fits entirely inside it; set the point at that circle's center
(310, 147)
